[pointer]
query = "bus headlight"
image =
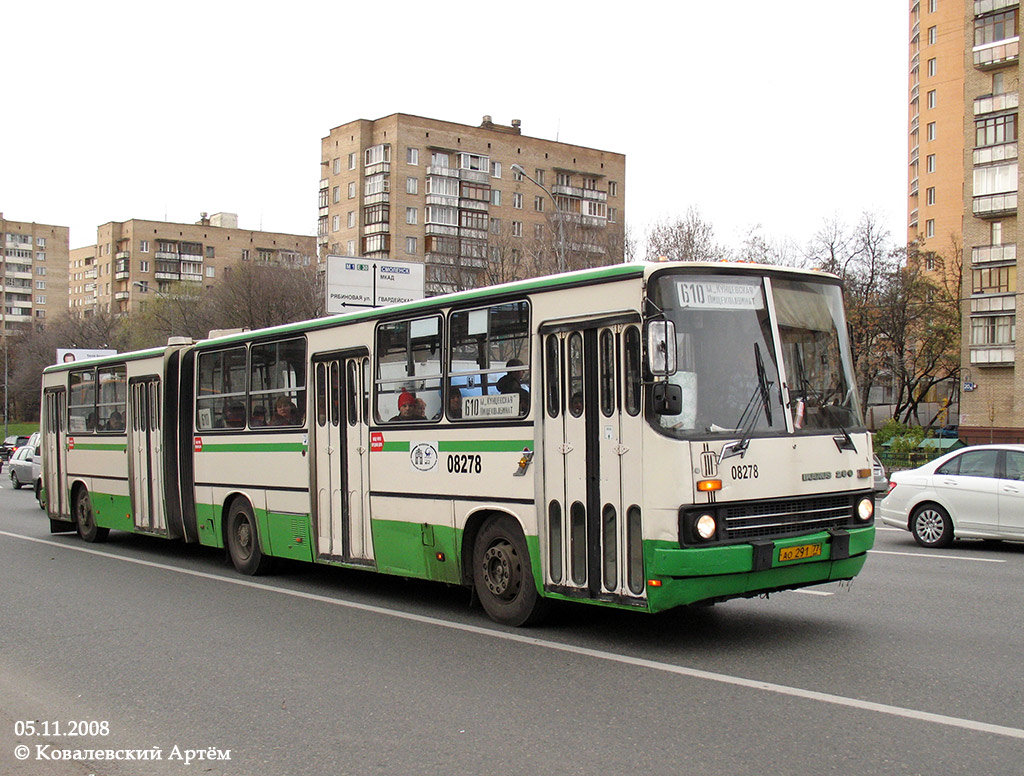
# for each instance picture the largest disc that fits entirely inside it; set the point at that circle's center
(706, 527)
(865, 509)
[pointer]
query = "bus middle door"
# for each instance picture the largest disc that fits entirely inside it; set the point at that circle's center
(145, 466)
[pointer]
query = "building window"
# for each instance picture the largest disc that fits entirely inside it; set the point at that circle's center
(376, 214)
(40, 270)
(410, 215)
(40, 299)
(931, 131)
(495, 226)
(995, 27)
(995, 131)
(563, 179)
(996, 231)
(474, 162)
(516, 175)
(245, 254)
(993, 280)
(211, 272)
(931, 99)
(352, 160)
(993, 330)
(377, 154)
(495, 197)
(930, 194)
(995, 180)
(929, 227)
(336, 194)
(930, 163)
(412, 185)
(410, 246)
(143, 266)
(40, 285)
(932, 5)
(517, 228)
(40, 255)
(613, 215)
(933, 33)
(538, 204)
(931, 67)
(517, 201)
(335, 223)
(143, 246)
(352, 190)
(40, 242)
(613, 189)
(351, 219)
(538, 174)
(412, 156)
(495, 169)
(439, 159)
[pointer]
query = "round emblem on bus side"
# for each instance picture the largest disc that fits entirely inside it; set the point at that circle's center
(423, 457)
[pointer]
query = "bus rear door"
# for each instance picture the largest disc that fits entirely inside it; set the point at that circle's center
(55, 478)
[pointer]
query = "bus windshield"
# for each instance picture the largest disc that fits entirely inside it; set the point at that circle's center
(726, 356)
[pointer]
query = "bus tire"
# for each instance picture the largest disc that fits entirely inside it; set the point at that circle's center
(85, 520)
(243, 540)
(503, 575)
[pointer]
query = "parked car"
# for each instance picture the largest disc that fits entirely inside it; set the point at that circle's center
(974, 492)
(22, 466)
(881, 479)
(11, 444)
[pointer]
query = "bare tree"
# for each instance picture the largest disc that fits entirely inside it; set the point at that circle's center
(690, 238)
(255, 296)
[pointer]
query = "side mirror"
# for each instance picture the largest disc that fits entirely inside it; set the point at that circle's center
(661, 348)
(666, 399)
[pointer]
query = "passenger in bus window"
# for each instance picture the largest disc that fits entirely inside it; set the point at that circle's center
(235, 416)
(116, 422)
(454, 402)
(259, 415)
(515, 382)
(284, 412)
(90, 422)
(408, 407)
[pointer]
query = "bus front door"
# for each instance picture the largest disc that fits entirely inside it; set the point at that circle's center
(341, 449)
(592, 463)
(55, 479)
(145, 464)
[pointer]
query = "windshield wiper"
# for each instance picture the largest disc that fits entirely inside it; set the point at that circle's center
(844, 441)
(748, 420)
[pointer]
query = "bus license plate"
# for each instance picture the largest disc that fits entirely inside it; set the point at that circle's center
(799, 552)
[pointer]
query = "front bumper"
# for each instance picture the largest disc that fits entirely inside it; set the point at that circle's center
(691, 575)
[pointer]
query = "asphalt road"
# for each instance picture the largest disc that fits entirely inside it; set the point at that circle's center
(913, 669)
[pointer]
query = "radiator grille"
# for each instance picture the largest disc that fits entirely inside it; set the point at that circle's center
(746, 521)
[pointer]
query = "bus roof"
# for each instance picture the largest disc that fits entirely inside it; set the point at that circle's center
(530, 285)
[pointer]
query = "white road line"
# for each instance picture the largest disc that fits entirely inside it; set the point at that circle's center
(654, 665)
(806, 591)
(937, 557)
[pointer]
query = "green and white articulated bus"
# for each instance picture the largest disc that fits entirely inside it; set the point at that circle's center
(642, 436)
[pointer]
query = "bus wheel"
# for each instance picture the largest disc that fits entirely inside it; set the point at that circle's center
(503, 576)
(244, 541)
(85, 520)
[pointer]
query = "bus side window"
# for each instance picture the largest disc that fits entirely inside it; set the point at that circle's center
(82, 401)
(408, 362)
(631, 359)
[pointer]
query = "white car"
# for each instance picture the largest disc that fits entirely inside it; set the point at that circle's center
(971, 493)
(22, 465)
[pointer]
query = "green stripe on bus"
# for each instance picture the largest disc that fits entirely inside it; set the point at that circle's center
(254, 447)
(486, 446)
(396, 447)
(98, 446)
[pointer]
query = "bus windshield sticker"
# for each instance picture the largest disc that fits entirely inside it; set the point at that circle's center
(503, 405)
(719, 295)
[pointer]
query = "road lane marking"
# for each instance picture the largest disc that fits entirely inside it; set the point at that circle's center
(937, 557)
(805, 591)
(612, 657)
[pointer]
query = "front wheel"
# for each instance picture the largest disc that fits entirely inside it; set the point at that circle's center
(932, 526)
(244, 542)
(503, 576)
(85, 521)
(15, 482)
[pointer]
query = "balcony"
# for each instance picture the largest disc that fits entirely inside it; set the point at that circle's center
(380, 198)
(444, 200)
(913, 187)
(192, 277)
(167, 275)
(18, 271)
(380, 168)
(988, 355)
(997, 54)
(913, 217)
(442, 229)
(988, 6)
(121, 275)
(17, 285)
(999, 153)
(595, 194)
(166, 255)
(376, 228)
(120, 296)
(473, 204)
(983, 254)
(993, 205)
(568, 191)
(993, 303)
(89, 274)
(475, 176)
(446, 172)
(122, 256)
(993, 102)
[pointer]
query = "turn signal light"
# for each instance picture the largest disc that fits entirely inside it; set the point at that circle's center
(863, 473)
(654, 583)
(706, 486)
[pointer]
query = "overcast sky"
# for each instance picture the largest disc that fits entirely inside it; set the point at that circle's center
(772, 114)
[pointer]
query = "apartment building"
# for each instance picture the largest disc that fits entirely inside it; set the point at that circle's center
(417, 189)
(35, 273)
(133, 260)
(992, 363)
